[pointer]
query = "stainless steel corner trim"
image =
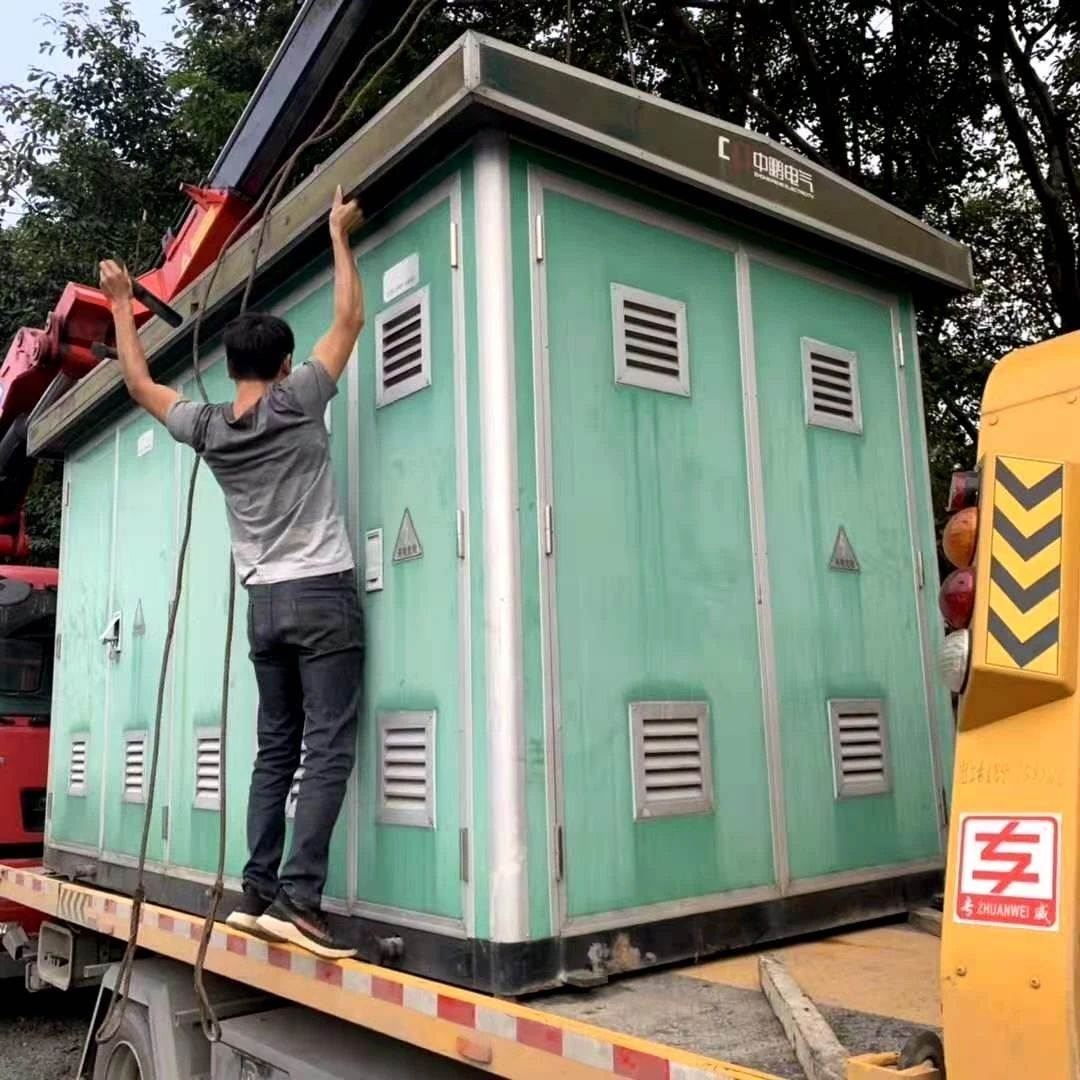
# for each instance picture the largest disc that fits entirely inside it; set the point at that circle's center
(502, 584)
(470, 50)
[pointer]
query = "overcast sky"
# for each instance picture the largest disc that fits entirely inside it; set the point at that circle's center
(23, 31)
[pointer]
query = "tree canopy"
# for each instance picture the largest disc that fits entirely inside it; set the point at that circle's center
(962, 112)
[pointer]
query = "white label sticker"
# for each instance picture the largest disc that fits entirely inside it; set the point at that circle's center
(1009, 871)
(400, 278)
(145, 443)
(373, 560)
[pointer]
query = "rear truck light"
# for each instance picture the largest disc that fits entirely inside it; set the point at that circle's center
(953, 660)
(960, 536)
(963, 491)
(957, 598)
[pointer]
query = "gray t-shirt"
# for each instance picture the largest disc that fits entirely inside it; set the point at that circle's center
(273, 464)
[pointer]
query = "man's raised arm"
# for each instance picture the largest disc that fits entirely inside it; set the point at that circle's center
(153, 397)
(335, 347)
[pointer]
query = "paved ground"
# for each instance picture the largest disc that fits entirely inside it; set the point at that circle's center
(41, 1035)
(885, 970)
(875, 987)
(718, 1021)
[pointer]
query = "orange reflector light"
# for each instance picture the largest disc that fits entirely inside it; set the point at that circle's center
(957, 598)
(958, 539)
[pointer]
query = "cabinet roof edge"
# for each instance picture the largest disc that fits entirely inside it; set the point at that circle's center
(478, 82)
(723, 159)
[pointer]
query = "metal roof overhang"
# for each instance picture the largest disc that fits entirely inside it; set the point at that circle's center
(479, 82)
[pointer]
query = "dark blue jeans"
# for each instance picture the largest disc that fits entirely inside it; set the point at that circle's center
(307, 645)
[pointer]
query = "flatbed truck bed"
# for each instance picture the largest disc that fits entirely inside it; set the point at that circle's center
(503, 1038)
(668, 1025)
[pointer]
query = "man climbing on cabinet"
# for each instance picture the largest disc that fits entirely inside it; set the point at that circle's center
(270, 453)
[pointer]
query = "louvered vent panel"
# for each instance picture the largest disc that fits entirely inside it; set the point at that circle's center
(208, 769)
(650, 341)
(77, 767)
(672, 760)
(860, 744)
(406, 769)
(831, 384)
(403, 349)
(135, 766)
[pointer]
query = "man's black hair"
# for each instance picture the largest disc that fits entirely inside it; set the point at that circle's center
(256, 346)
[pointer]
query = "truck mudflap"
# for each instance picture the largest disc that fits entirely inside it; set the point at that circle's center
(502, 1037)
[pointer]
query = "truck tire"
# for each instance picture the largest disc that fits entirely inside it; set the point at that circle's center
(128, 1055)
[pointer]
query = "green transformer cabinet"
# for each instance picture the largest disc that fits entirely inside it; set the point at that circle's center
(634, 465)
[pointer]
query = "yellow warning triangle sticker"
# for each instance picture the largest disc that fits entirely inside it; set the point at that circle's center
(843, 554)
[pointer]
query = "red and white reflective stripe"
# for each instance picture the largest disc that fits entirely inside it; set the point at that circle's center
(350, 976)
(586, 1045)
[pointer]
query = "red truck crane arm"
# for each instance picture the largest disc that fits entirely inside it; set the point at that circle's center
(42, 363)
(322, 44)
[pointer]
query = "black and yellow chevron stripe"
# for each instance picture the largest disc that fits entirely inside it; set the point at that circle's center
(1024, 618)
